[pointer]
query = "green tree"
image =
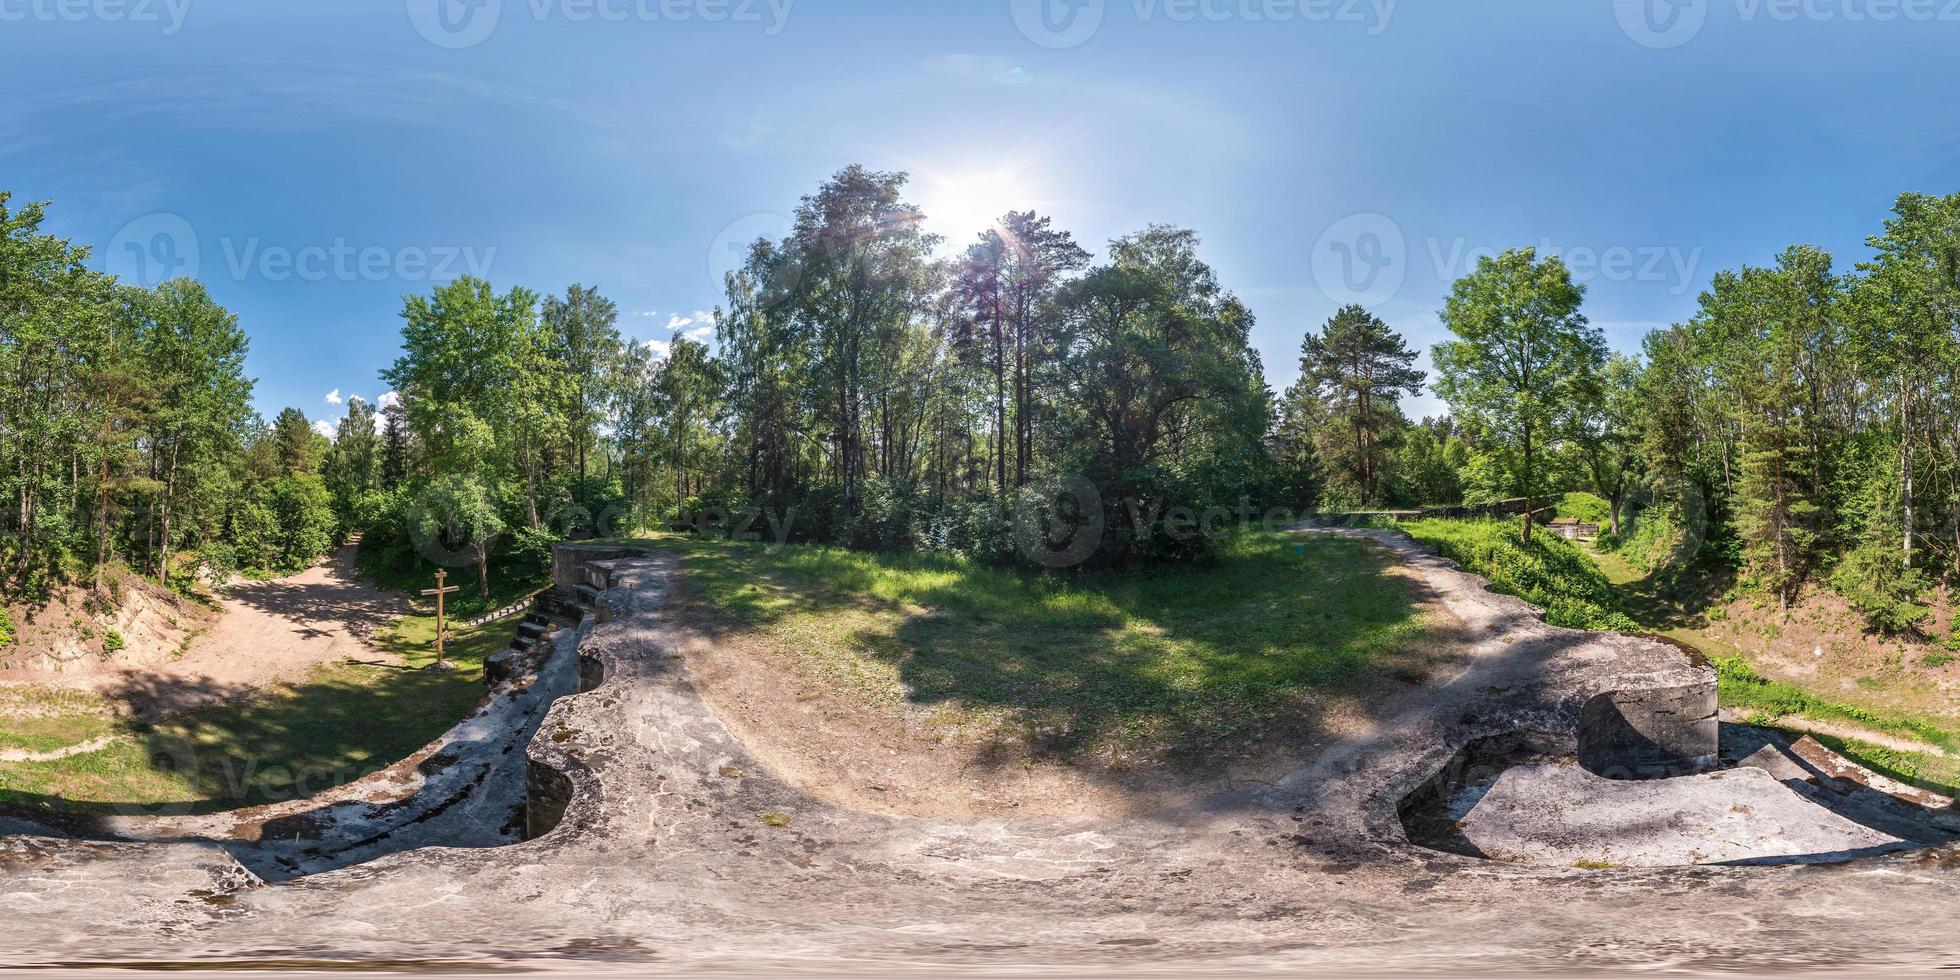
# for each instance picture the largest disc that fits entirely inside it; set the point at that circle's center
(1159, 376)
(1362, 369)
(353, 467)
(583, 343)
(1605, 429)
(458, 510)
(1522, 349)
(299, 448)
(196, 353)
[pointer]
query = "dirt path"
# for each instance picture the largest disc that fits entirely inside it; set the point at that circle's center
(269, 633)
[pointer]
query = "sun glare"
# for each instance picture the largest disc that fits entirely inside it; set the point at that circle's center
(961, 207)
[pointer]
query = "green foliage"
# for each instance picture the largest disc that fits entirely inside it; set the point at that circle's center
(1871, 578)
(6, 628)
(112, 640)
(1587, 508)
(1359, 370)
(304, 512)
(1522, 360)
(1549, 572)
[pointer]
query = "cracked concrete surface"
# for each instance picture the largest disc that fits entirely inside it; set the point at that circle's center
(678, 850)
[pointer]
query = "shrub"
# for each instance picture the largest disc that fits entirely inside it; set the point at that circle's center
(529, 552)
(254, 535)
(1872, 578)
(112, 641)
(306, 520)
(6, 629)
(1551, 572)
(1650, 539)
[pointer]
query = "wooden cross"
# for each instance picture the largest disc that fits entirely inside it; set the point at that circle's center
(442, 627)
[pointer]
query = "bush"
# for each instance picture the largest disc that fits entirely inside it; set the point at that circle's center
(1650, 539)
(1551, 573)
(306, 520)
(1872, 578)
(529, 552)
(113, 641)
(255, 535)
(6, 629)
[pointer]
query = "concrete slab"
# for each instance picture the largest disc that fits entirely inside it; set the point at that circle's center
(1560, 814)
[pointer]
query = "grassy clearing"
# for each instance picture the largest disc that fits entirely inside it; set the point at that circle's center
(1551, 572)
(39, 719)
(345, 721)
(1157, 660)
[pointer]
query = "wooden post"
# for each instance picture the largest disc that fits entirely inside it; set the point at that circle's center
(442, 626)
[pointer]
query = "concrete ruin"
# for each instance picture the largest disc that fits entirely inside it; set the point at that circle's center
(1542, 810)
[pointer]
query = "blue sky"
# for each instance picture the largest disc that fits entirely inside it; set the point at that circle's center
(320, 159)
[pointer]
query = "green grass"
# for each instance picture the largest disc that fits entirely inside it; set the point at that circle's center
(1159, 659)
(345, 721)
(1587, 508)
(41, 719)
(1552, 572)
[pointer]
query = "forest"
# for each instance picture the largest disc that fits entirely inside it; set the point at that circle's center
(870, 387)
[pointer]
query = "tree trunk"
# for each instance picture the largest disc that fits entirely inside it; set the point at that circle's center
(1524, 532)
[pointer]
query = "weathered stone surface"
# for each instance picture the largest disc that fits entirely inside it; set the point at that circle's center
(1549, 813)
(663, 859)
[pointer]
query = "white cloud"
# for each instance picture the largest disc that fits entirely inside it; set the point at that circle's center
(333, 397)
(647, 313)
(659, 349)
(324, 427)
(387, 399)
(702, 322)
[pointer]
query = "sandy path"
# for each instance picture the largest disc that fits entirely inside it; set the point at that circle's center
(269, 633)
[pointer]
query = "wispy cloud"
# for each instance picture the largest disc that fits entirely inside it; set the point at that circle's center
(333, 397)
(697, 326)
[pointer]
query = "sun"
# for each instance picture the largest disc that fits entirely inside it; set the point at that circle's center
(960, 207)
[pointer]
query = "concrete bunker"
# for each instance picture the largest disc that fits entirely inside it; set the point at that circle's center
(1647, 775)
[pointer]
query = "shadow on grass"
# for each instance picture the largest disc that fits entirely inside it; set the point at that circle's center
(1190, 659)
